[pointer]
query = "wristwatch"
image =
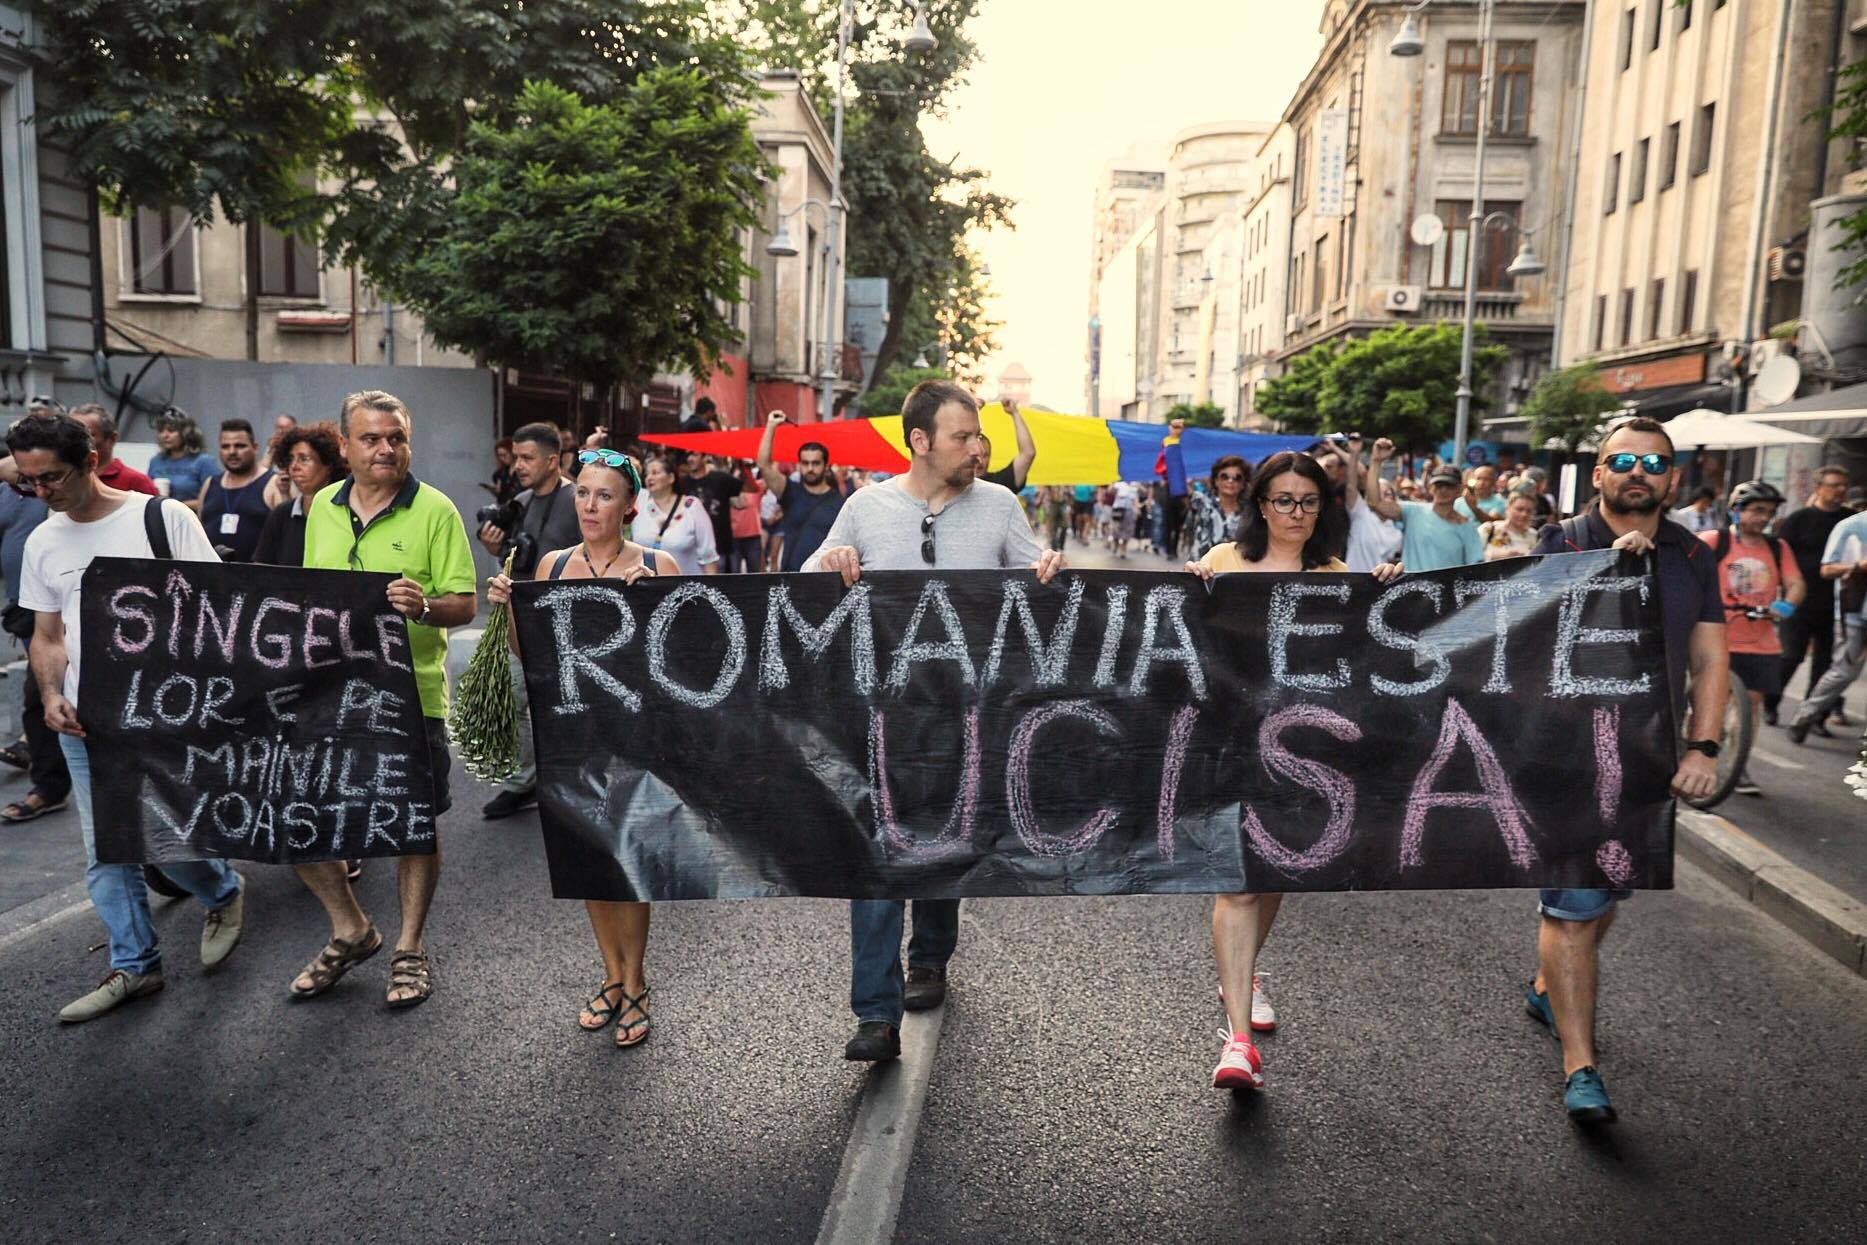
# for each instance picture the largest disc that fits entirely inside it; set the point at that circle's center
(1707, 746)
(426, 604)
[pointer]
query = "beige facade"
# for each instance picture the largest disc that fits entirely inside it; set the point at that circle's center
(1699, 162)
(1407, 130)
(1127, 200)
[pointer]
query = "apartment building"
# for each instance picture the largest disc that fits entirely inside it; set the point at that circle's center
(1263, 267)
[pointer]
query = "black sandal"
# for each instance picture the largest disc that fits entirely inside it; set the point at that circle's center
(32, 807)
(625, 1028)
(600, 1009)
(337, 958)
(411, 970)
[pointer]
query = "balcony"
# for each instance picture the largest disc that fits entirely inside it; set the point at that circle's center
(1450, 304)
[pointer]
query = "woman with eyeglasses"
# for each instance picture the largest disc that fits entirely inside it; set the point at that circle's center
(608, 486)
(310, 456)
(1220, 513)
(1289, 502)
(673, 524)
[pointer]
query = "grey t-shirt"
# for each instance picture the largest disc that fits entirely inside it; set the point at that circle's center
(984, 528)
(551, 521)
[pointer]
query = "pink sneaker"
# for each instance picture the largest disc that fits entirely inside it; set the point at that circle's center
(1263, 1015)
(1240, 1066)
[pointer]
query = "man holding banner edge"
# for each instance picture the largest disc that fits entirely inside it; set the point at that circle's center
(937, 516)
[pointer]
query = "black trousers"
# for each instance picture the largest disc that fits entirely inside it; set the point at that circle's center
(1802, 631)
(49, 776)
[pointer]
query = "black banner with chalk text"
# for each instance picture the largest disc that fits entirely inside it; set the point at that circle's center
(976, 733)
(251, 712)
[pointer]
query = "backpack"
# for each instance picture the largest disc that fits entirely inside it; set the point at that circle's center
(157, 530)
(1723, 546)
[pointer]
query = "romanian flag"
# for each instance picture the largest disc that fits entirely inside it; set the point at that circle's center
(1071, 449)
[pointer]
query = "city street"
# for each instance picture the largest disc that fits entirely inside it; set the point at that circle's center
(1409, 1095)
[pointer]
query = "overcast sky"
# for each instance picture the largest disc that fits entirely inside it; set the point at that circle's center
(1061, 87)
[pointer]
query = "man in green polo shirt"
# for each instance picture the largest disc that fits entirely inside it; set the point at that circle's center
(384, 519)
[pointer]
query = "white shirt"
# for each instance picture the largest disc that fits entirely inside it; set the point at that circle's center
(1372, 540)
(1125, 496)
(60, 549)
(686, 535)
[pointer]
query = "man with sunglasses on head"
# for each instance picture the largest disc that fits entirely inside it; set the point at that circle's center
(1635, 477)
(937, 516)
(382, 518)
(1435, 535)
(90, 519)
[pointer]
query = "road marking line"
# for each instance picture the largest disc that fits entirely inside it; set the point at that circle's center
(1777, 761)
(866, 1199)
(42, 913)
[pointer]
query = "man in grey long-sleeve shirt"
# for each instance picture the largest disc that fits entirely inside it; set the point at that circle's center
(936, 517)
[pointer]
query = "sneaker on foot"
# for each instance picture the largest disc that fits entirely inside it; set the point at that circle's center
(1240, 1065)
(1746, 787)
(1769, 716)
(1263, 1015)
(507, 803)
(1537, 1004)
(112, 992)
(220, 932)
(1798, 731)
(926, 988)
(1586, 1098)
(1816, 728)
(875, 1042)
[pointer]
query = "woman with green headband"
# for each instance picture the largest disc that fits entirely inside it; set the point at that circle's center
(606, 493)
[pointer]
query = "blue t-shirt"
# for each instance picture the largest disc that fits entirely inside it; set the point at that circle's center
(1848, 543)
(807, 520)
(18, 516)
(186, 475)
(1430, 543)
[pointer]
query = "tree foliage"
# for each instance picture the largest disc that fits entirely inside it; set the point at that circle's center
(910, 212)
(1566, 406)
(890, 391)
(1198, 414)
(1848, 119)
(595, 241)
(1399, 382)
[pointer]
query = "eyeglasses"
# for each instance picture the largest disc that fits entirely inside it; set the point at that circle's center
(1230, 475)
(927, 540)
(1652, 464)
(1284, 503)
(613, 458)
(29, 486)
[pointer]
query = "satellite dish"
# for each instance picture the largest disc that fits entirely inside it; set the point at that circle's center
(1427, 229)
(1776, 381)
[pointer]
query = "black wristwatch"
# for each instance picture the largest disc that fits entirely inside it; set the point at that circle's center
(1707, 746)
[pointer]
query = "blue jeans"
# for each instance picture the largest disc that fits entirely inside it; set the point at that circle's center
(875, 982)
(117, 891)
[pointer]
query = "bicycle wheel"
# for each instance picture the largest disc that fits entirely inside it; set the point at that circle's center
(1734, 737)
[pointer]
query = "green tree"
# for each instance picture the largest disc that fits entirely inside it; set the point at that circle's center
(1198, 414)
(1399, 382)
(890, 390)
(1566, 406)
(595, 241)
(1848, 120)
(910, 212)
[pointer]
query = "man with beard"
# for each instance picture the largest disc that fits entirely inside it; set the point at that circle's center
(932, 518)
(810, 504)
(1634, 473)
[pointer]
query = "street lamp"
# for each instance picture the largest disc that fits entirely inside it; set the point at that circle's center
(1408, 42)
(1527, 263)
(922, 40)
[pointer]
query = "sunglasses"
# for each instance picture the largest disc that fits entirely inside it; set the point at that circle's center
(1230, 475)
(927, 540)
(1652, 464)
(613, 458)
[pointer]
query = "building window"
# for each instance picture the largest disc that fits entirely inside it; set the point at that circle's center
(1627, 46)
(1688, 294)
(1500, 245)
(288, 266)
(1653, 27)
(162, 259)
(1611, 192)
(1656, 295)
(1637, 176)
(1321, 274)
(1669, 156)
(1299, 188)
(1701, 138)
(1627, 315)
(1514, 72)
(1685, 14)
(1601, 319)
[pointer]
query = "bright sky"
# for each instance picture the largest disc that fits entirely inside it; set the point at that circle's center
(1061, 87)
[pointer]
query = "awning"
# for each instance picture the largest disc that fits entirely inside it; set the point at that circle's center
(1837, 413)
(1678, 399)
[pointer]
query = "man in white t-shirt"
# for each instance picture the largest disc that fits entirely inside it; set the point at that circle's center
(90, 519)
(1126, 501)
(1372, 539)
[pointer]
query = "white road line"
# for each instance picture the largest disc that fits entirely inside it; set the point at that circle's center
(42, 913)
(866, 1200)
(1777, 761)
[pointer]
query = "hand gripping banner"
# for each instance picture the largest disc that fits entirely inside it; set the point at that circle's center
(976, 733)
(252, 712)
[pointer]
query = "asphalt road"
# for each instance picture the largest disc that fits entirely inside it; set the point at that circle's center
(1409, 1099)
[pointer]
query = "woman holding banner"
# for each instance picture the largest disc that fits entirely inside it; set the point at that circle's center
(608, 486)
(1289, 501)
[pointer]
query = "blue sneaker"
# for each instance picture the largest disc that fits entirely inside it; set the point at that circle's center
(1587, 1098)
(1538, 1007)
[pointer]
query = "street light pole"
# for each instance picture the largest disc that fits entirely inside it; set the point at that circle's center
(1474, 235)
(826, 371)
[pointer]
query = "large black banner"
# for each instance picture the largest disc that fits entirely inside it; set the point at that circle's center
(252, 712)
(976, 733)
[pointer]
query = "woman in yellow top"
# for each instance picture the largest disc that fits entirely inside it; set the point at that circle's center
(1283, 532)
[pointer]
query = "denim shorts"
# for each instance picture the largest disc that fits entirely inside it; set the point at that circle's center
(1579, 905)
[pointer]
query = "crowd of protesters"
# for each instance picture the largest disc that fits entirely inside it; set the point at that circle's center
(1742, 593)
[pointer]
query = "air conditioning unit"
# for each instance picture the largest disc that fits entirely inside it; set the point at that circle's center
(1293, 324)
(1402, 299)
(1788, 263)
(1761, 352)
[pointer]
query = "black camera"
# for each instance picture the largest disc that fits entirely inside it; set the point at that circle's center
(503, 515)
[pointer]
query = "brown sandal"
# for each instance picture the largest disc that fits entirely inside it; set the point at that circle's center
(337, 958)
(411, 970)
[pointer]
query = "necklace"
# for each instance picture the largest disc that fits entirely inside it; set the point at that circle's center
(594, 573)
